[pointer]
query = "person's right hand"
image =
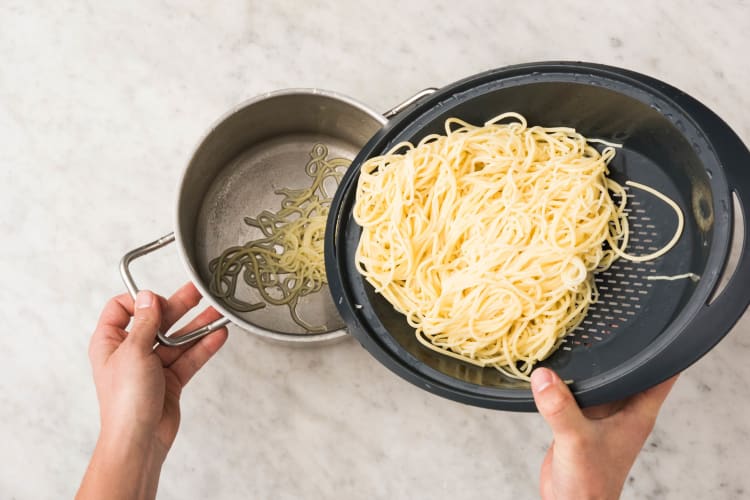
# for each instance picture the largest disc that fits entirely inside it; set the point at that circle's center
(594, 448)
(139, 389)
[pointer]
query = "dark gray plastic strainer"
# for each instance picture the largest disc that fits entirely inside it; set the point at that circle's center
(642, 331)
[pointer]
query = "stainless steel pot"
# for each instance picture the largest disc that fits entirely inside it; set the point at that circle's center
(259, 147)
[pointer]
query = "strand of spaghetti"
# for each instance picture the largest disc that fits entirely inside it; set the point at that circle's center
(606, 143)
(691, 276)
(678, 232)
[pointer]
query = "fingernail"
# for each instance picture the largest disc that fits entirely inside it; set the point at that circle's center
(144, 299)
(541, 378)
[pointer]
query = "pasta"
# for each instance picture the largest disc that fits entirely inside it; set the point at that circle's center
(487, 238)
(691, 276)
(287, 263)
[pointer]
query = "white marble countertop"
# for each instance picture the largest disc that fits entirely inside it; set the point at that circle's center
(101, 104)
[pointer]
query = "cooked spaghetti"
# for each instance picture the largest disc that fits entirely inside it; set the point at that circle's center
(487, 238)
(287, 263)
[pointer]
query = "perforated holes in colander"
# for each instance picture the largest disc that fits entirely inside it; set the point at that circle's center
(622, 287)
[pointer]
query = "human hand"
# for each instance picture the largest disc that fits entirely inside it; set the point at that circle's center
(593, 449)
(139, 388)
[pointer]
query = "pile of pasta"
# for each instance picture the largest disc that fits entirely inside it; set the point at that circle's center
(487, 238)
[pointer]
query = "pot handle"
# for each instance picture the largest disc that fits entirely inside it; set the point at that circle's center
(127, 278)
(400, 107)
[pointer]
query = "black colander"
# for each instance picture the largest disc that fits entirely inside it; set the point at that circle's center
(642, 331)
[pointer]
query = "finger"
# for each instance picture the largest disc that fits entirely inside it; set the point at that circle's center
(117, 312)
(556, 404)
(146, 320)
(169, 354)
(109, 332)
(103, 343)
(183, 300)
(648, 403)
(190, 361)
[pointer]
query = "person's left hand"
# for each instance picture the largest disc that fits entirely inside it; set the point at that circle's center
(139, 387)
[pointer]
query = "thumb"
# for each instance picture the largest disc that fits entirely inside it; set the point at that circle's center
(146, 320)
(556, 404)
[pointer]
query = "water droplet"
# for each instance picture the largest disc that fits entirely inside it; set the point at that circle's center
(709, 174)
(655, 106)
(697, 147)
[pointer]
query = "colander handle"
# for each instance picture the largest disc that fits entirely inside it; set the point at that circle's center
(127, 278)
(730, 304)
